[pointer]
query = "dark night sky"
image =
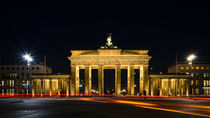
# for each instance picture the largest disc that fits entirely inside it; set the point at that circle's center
(55, 27)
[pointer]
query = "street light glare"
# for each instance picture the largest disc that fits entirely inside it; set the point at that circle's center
(27, 57)
(191, 57)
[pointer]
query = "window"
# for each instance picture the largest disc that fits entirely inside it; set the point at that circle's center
(13, 91)
(192, 74)
(27, 82)
(182, 68)
(192, 68)
(10, 83)
(191, 82)
(37, 68)
(13, 68)
(207, 68)
(22, 75)
(32, 68)
(193, 91)
(196, 91)
(187, 68)
(197, 82)
(22, 68)
(205, 74)
(13, 83)
(2, 68)
(197, 68)
(2, 75)
(13, 75)
(17, 68)
(7, 68)
(206, 83)
(202, 68)
(2, 83)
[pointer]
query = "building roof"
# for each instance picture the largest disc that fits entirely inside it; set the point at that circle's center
(179, 63)
(51, 76)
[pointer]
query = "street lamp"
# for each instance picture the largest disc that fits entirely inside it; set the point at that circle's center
(190, 58)
(29, 59)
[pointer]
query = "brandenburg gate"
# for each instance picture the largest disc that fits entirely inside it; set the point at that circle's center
(109, 57)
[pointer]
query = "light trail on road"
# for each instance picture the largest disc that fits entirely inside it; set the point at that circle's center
(197, 110)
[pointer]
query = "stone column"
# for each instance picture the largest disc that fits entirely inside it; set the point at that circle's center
(72, 79)
(152, 87)
(146, 79)
(59, 86)
(128, 80)
(50, 87)
(132, 80)
(161, 88)
(179, 87)
(77, 81)
(169, 86)
(87, 80)
(100, 80)
(187, 87)
(33, 88)
(67, 87)
(42, 88)
(117, 80)
(141, 79)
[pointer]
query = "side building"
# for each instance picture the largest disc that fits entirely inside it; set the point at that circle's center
(50, 84)
(15, 77)
(199, 76)
(169, 84)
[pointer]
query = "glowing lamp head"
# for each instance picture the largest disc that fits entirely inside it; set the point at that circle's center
(191, 57)
(27, 57)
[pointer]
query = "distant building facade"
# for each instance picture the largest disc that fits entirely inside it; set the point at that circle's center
(199, 81)
(15, 77)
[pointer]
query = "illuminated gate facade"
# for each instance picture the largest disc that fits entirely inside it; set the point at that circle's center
(109, 57)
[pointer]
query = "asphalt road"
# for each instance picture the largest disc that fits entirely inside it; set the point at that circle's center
(102, 108)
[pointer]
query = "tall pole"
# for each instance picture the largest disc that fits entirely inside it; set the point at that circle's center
(176, 64)
(176, 74)
(45, 66)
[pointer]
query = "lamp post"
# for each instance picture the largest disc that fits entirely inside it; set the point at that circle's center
(190, 59)
(29, 59)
